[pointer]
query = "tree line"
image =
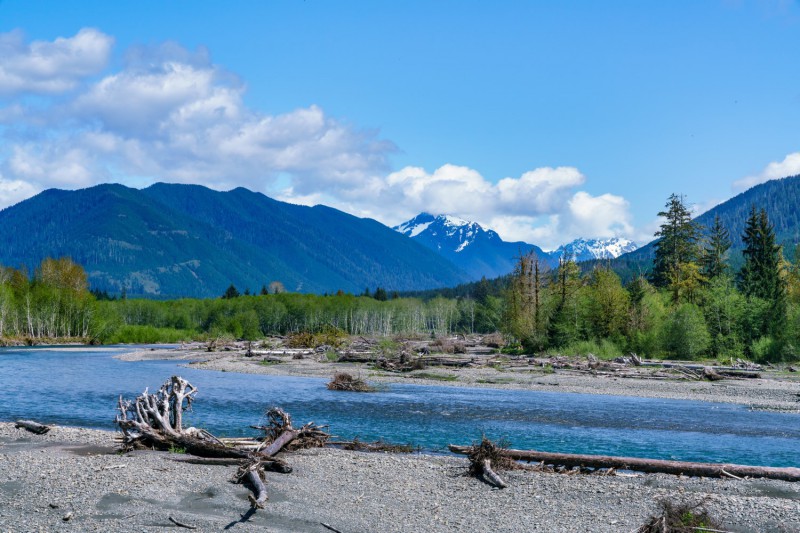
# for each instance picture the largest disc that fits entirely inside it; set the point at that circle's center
(691, 305)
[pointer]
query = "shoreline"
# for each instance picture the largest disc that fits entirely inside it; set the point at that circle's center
(350, 491)
(768, 394)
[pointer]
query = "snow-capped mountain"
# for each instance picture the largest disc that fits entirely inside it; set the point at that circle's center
(481, 252)
(449, 233)
(588, 249)
(477, 250)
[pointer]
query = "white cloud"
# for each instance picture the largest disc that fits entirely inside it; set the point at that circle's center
(541, 206)
(170, 114)
(51, 66)
(13, 191)
(790, 166)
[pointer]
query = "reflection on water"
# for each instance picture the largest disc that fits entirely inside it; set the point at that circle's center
(80, 386)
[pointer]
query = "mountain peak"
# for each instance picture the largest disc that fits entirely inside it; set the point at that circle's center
(588, 249)
(451, 232)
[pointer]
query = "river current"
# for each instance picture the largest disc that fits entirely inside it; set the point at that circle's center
(79, 386)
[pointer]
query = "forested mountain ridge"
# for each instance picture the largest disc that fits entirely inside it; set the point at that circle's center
(187, 240)
(780, 199)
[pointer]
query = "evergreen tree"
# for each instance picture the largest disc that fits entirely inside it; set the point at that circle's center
(678, 242)
(264, 290)
(380, 294)
(760, 276)
(230, 292)
(715, 254)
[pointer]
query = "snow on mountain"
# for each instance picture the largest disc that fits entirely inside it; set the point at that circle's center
(587, 249)
(481, 251)
(449, 232)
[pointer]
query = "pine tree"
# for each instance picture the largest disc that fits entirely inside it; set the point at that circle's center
(760, 276)
(230, 292)
(678, 242)
(715, 254)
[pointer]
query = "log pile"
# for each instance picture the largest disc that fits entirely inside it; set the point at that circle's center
(155, 421)
(342, 381)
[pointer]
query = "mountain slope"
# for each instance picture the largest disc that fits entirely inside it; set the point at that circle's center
(780, 198)
(184, 240)
(478, 251)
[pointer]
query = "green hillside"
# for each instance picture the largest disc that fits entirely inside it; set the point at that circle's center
(187, 240)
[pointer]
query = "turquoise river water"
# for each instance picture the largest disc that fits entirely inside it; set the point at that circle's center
(79, 386)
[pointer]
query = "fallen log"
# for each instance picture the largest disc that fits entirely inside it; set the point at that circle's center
(251, 474)
(33, 427)
(645, 465)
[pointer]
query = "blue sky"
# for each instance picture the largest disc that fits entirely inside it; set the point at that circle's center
(543, 120)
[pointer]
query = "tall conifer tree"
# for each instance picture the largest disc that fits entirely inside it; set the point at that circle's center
(760, 276)
(715, 254)
(678, 242)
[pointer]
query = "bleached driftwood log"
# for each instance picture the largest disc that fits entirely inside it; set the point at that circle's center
(156, 420)
(33, 427)
(644, 465)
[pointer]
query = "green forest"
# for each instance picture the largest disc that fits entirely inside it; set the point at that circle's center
(691, 305)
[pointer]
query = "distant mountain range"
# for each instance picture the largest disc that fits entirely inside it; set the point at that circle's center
(188, 240)
(481, 252)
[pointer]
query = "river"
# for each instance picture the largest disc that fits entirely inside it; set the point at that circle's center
(79, 386)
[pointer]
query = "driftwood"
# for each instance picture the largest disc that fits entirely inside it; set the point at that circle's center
(342, 381)
(645, 465)
(33, 427)
(156, 421)
(487, 457)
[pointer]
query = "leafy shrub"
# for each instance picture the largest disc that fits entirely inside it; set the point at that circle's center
(149, 335)
(604, 349)
(685, 334)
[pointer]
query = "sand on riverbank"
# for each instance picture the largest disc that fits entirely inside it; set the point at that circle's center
(770, 393)
(72, 470)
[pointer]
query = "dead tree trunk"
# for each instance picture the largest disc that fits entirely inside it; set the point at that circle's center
(645, 465)
(33, 427)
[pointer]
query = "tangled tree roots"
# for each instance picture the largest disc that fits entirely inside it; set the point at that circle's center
(346, 382)
(279, 434)
(680, 518)
(156, 421)
(485, 459)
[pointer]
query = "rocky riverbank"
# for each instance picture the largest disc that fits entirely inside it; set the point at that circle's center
(76, 474)
(774, 391)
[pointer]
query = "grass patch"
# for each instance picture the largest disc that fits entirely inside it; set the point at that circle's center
(605, 349)
(495, 381)
(434, 376)
(176, 449)
(149, 335)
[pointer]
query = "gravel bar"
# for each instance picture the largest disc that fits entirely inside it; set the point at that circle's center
(72, 479)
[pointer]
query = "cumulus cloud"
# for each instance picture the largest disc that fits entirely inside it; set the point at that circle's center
(13, 191)
(790, 166)
(168, 115)
(171, 114)
(541, 206)
(51, 66)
